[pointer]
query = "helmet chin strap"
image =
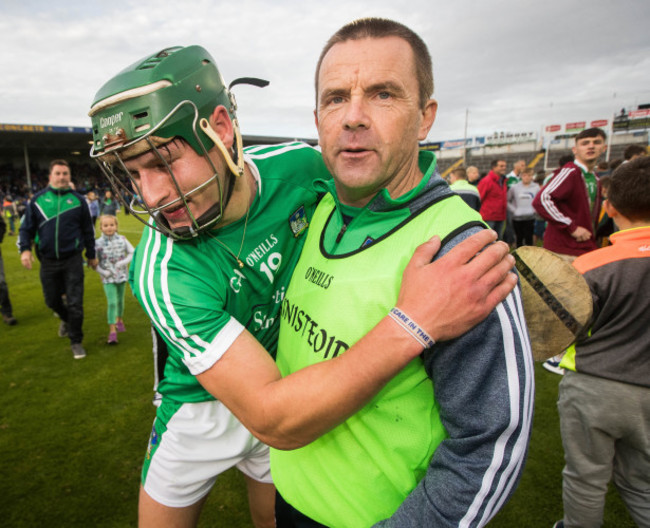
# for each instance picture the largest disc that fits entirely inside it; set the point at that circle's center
(237, 167)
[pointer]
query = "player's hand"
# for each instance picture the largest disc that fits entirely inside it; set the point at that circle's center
(581, 234)
(456, 292)
(93, 263)
(26, 259)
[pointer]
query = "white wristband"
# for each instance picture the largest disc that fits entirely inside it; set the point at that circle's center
(411, 327)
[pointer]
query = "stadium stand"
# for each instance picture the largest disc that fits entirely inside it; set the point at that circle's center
(26, 151)
(34, 146)
(546, 159)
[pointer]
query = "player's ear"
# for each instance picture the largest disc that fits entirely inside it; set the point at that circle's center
(221, 123)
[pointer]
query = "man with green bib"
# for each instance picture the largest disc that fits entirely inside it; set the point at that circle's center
(443, 443)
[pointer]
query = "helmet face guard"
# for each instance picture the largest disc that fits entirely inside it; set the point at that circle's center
(166, 96)
(127, 187)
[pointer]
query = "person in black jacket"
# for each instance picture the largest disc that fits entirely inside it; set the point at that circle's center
(58, 221)
(5, 304)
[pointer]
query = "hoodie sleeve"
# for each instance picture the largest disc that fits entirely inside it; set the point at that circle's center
(484, 384)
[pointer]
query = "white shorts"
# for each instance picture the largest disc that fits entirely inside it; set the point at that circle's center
(201, 441)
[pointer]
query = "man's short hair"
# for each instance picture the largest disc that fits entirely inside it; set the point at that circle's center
(58, 162)
(567, 158)
(528, 170)
(461, 173)
(591, 133)
(629, 189)
(496, 162)
(380, 28)
(633, 150)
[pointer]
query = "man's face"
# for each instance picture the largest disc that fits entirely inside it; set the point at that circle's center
(519, 166)
(59, 177)
(588, 150)
(472, 174)
(369, 117)
(157, 186)
(500, 168)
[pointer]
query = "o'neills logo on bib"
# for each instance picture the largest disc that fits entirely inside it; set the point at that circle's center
(319, 278)
(319, 339)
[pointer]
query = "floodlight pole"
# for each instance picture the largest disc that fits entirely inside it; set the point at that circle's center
(611, 131)
(465, 138)
(27, 173)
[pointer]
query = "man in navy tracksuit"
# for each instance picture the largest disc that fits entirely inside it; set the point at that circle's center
(57, 220)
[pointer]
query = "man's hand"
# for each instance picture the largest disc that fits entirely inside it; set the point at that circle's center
(26, 259)
(93, 263)
(581, 234)
(453, 294)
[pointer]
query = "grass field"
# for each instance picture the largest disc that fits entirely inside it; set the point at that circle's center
(73, 432)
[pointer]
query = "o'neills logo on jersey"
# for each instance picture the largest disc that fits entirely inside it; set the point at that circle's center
(319, 339)
(261, 250)
(319, 278)
(110, 120)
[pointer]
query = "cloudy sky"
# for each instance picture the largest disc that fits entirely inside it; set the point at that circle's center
(514, 66)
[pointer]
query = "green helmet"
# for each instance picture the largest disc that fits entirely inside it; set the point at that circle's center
(171, 94)
(144, 96)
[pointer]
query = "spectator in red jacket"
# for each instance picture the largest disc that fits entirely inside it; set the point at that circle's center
(494, 197)
(570, 202)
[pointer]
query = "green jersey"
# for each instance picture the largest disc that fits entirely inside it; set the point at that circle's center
(196, 294)
(592, 187)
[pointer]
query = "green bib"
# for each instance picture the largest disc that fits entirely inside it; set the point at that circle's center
(361, 471)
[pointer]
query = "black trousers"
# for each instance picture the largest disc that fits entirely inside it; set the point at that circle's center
(5, 303)
(524, 230)
(286, 516)
(65, 276)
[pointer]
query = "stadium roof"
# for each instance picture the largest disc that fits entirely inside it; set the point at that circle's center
(40, 142)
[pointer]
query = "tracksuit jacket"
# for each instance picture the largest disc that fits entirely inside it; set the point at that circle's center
(564, 203)
(58, 222)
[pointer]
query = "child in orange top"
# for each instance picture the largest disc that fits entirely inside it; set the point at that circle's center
(604, 402)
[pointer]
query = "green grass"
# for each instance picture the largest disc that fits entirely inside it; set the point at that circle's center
(73, 432)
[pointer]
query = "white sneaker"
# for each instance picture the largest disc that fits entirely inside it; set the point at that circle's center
(553, 366)
(78, 352)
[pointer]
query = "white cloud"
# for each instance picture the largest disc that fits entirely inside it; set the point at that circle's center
(514, 65)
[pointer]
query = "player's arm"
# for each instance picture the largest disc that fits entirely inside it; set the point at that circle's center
(484, 384)
(290, 412)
